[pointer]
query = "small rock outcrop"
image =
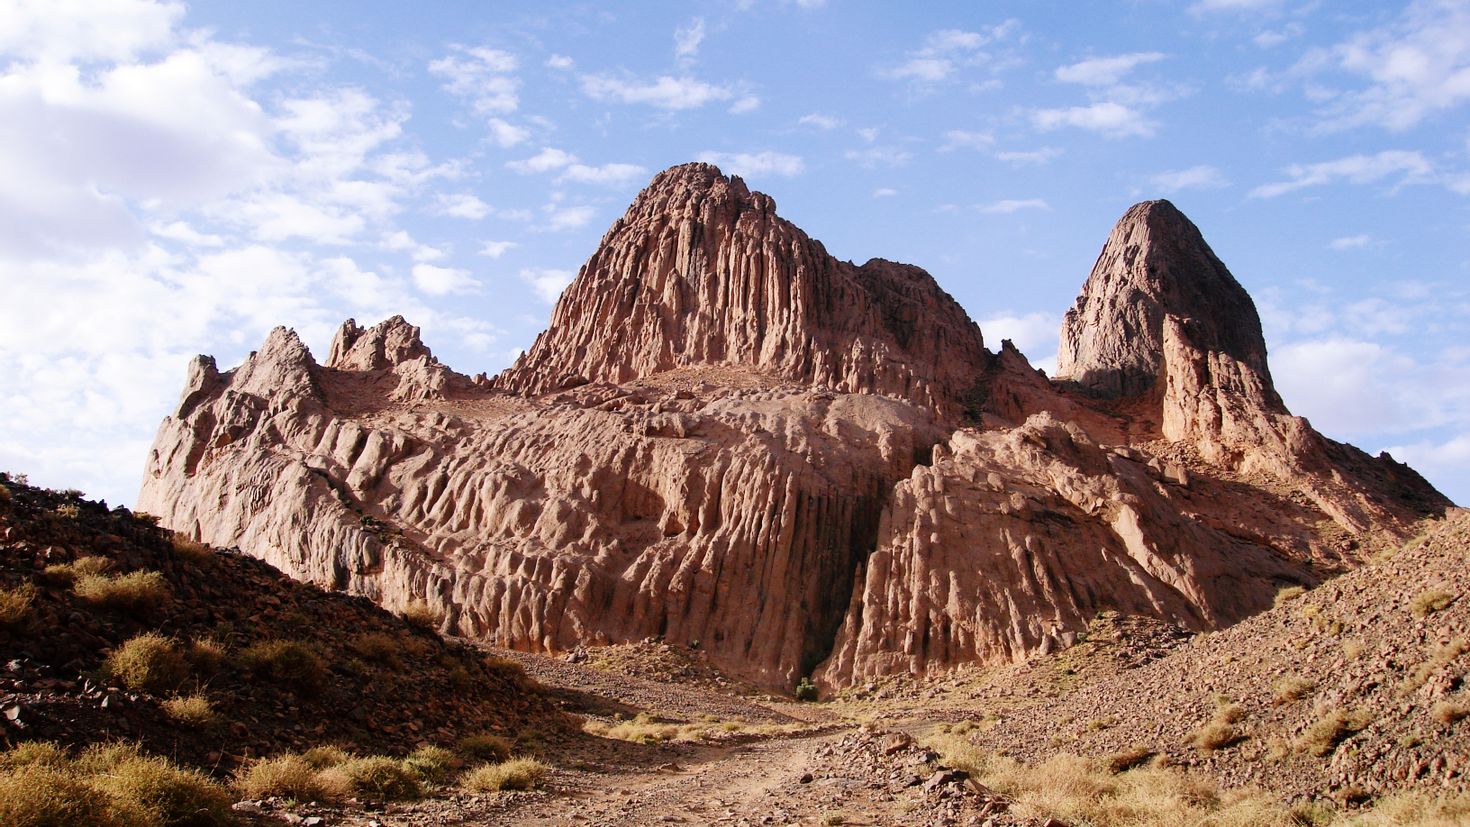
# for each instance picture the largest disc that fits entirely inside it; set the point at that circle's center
(809, 467)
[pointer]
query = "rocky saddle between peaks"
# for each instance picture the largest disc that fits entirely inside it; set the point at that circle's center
(809, 466)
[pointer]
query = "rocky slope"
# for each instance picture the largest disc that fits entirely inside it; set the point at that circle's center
(727, 436)
(1384, 647)
(367, 680)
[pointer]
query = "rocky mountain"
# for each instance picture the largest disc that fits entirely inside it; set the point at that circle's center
(805, 465)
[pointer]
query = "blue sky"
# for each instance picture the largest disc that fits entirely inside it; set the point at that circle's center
(178, 179)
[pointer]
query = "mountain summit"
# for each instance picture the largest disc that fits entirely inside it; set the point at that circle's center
(808, 467)
(701, 271)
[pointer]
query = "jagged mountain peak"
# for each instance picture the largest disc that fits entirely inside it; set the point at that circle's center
(702, 272)
(1155, 264)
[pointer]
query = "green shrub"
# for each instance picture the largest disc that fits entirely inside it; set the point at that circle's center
(515, 774)
(15, 605)
(806, 690)
(149, 662)
(287, 662)
(138, 592)
(373, 777)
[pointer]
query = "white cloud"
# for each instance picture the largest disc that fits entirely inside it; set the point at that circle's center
(463, 205)
(441, 281)
(1035, 334)
(755, 164)
(946, 51)
(747, 103)
(506, 135)
(1207, 6)
(1352, 242)
(559, 62)
(1010, 205)
(687, 39)
(607, 174)
(401, 241)
(1109, 119)
(548, 159)
(180, 231)
(878, 156)
(496, 249)
(1410, 70)
(482, 76)
(884, 192)
(1027, 157)
(961, 139)
(568, 218)
(1407, 167)
(820, 121)
(665, 92)
(1200, 177)
(1105, 71)
(548, 284)
(62, 30)
(1445, 462)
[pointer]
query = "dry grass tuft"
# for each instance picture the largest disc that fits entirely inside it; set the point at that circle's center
(1451, 710)
(147, 663)
(1428, 602)
(1416, 809)
(433, 764)
(515, 774)
(380, 648)
(205, 655)
(373, 777)
(38, 795)
(1220, 731)
(483, 747)
(166, 794)
(15, 605)
(1287, 594)
(1289, 688)
(27, 753)
(187, 548)
(322, 757)
(1321, 738)
(285, 776)
(421, 615)
(1441, 657)
(193, 711)
(138, 592)
(1129, 758)
(290, 663)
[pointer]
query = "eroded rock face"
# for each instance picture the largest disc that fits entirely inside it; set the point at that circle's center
(701, 271)
(728, 436)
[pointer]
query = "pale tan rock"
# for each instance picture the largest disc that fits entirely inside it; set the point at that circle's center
(729, 436)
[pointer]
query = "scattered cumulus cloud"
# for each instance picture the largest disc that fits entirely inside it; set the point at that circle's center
(1035, 334)
(547, 283)
(1200, 177)
(884, 192)
(961, 139)
(687, 39)
(878, 156)
(664, 92)
(560, 62)
(481, 76)
(548, 159)
(746, 103)
(564, 217)
(820, 121)
(1011, 205)
(1209, 6)
(756, 164)
(1105, 71)
(1404, 166)
(441, 281)
(607, 174)
(463, 205)
(1351, 242)
(505, 134)
(1109, 119)
(496, 249)
(1028, 157)
(946, 51)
